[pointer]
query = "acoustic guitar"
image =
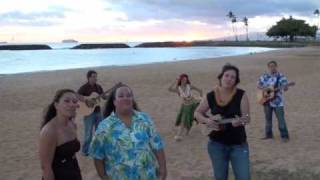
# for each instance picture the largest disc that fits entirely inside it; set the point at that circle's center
(91, 102)
(268, 94)
(206, 130)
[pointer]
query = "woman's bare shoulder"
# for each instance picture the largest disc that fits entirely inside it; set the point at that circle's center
(49, 130)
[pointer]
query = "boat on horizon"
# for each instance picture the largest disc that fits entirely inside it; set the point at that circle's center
(69, 41)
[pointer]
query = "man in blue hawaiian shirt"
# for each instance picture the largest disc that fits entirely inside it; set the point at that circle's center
(279, 82)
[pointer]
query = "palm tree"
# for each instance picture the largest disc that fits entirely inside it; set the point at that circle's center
(317, 13)
(233, 20)
(245, 21)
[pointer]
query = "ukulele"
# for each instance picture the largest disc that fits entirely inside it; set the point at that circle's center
(206, 130)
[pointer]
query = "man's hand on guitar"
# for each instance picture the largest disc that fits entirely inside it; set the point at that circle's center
(106, 94)
(120, 83)
(89, 103)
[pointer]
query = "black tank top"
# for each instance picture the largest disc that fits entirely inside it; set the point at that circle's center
(229, 135)
(65, 165)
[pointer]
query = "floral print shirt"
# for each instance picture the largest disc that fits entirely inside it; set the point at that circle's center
(267, 80)
(128, 152)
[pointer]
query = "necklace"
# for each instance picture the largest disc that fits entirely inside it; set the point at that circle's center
(185, 92)
(223, 101)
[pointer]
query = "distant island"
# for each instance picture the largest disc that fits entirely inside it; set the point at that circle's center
(100, 46)
(166, 44)
(3, 42)
(69, 41)
(25, 47)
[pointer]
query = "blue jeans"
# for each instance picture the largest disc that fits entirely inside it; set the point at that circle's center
(279, 111)
(90, 124)
(238, 155)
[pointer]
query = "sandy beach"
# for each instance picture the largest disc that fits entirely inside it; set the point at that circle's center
(24, 96)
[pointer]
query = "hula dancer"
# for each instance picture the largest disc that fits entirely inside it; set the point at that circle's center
(183, 88)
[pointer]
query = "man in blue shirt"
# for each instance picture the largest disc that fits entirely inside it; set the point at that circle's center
(279, 83)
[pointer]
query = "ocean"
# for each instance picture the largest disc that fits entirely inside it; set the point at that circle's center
(61, 57)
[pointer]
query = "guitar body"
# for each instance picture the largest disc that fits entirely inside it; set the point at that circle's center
(84, 109)
(267, 94)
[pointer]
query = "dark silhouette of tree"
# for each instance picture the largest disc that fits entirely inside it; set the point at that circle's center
(291, 28)
(245, 21)
(317, 13)
(233, 19)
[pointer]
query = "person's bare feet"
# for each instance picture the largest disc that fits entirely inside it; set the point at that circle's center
(177, 138)
(285, 140)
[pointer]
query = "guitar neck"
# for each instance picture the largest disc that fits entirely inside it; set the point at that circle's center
(285, 86)
(225, 121)
(220, 120)
(105, 92)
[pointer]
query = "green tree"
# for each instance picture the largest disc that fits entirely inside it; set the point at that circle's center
(291, 28)
(233, 19)
(245, 21)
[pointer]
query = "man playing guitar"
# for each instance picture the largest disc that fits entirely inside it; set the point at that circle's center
(273, 99)
(92, 120)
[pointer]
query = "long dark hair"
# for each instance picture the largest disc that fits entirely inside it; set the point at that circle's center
(109, 106)
(181, 77)
(50, 111)
(228, 67)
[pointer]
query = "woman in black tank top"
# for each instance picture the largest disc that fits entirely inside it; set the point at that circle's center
(228, 142)
(58, 141)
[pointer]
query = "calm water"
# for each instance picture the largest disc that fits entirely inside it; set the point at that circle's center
(61, 57)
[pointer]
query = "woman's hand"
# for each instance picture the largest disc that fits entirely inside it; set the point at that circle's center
(212, 124)
(105, 177)
(174, 86)
(240, 121)
(177, 78)
(162, 173)
(237, 122)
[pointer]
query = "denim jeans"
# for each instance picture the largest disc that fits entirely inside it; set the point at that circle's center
(90, 123)
(279, 111)
(238, 155)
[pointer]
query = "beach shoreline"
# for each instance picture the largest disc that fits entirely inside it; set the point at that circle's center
(33, 61)
(24, 96)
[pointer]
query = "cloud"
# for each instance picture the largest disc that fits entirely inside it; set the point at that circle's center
(212, 11)
(16, 15)
(154, 30)
(44, 18)
(103, 20)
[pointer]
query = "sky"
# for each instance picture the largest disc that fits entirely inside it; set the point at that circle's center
(142, 20)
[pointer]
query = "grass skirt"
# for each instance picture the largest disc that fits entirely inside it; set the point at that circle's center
(185, 115)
